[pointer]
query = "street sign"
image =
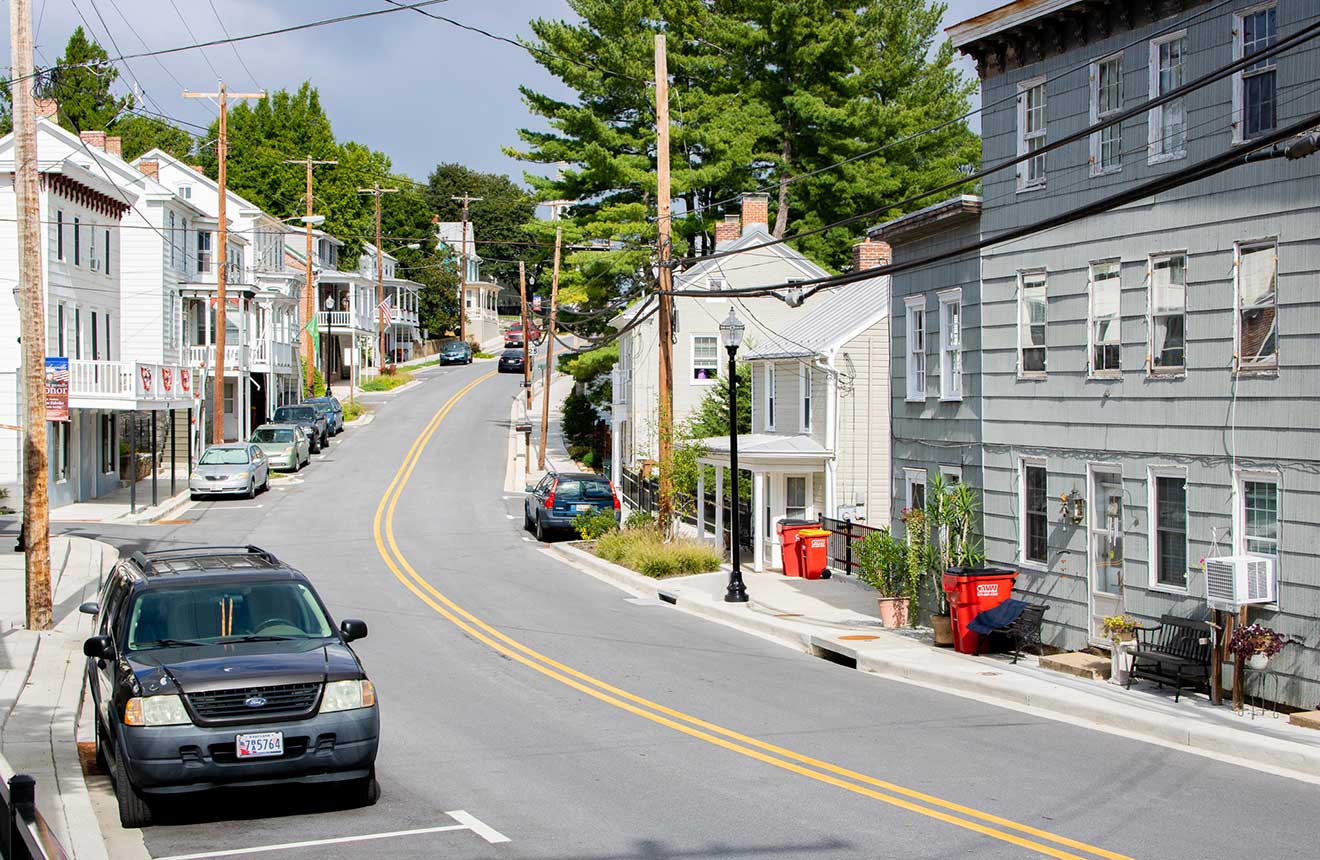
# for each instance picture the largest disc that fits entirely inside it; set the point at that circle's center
(536, 304)
(57, 388)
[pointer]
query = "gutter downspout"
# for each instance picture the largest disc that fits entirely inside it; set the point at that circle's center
(831, 438)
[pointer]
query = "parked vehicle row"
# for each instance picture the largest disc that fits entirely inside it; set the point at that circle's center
(552, 502)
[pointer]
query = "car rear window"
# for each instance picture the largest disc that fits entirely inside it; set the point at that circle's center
(273, 435)
(577, 489)
(297, 413)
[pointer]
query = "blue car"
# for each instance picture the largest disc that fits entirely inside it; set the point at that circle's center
(553, 502)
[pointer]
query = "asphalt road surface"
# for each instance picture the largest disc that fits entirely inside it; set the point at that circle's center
(532, 711)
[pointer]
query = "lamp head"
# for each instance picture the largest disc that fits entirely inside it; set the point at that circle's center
(731, 330)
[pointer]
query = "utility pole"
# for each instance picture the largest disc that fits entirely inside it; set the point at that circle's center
(527, 366)
(32, 301)
(549, 353)
(666, 278)
(462, 270)
(375, 190)
(221, 260)
(309, 296)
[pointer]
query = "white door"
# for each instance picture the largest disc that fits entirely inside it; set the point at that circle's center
(1105, 539)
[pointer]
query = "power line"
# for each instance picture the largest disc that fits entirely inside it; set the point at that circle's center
(223, 29)
(192, 36)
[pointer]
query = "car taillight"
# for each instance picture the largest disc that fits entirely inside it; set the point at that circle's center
(615, 495)
(550, 498)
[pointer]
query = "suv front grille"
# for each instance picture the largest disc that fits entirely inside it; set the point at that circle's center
(283, 700)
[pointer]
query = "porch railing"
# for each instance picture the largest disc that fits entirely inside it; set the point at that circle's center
(643, 494)
(844, 538)
(100, 378)
(236, 357)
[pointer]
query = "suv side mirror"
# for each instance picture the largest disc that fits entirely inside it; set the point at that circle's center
(352, 629)
(101, 647)
(530, 488)
(91, 607)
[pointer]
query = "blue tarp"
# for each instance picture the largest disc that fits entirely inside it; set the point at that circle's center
(997, 617)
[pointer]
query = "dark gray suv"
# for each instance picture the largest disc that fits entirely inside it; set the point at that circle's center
(220, 666)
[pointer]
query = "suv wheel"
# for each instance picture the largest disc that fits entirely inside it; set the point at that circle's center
(527, 520)
(365, 792)
(540, 530)
(134, 810)
(102, 761)
(252, 488)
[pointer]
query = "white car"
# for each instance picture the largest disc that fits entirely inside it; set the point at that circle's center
(239, 467)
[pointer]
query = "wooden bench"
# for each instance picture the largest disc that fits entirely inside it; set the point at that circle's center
(1021, 631)
(1176, 651)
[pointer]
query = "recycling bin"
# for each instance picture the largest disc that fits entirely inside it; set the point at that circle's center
(813, 547)
(788, 532)
(971, 591)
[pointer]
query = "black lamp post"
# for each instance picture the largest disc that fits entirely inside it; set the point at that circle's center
(329, 337)
(731, 334)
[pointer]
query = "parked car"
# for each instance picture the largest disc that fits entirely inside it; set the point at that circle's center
(235, 467)
(511, 361)
(456, 352)
(553, 502)
(517, 330)
(220, 666)
(332, 410)
(286, 446)
(310, 419)
(513, 340)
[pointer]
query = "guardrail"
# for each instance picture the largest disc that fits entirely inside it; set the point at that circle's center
(24, 833)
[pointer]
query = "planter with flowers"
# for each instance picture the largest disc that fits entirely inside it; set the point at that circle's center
(1120, 630)
(1254, 645)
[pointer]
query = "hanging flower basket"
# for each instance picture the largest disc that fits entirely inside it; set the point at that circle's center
(1255, 644)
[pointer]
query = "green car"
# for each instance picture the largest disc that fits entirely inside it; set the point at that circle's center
(286, 446)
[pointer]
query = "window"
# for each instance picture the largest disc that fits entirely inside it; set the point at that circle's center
(1031, 323)
(77, 332)
(805, 417)
(1035, 521)
(59, 313)
(916, 353)
(1106, 320)
(203, 251)
(715, 284)
(1258, 514)
(229, 398)
(914, 481)
(108, 356)
(770, 395)
(77, 242)
(1031, 133)
(952, 475)
(60, 462)
(1257, 307)
(951, 346)
(93, 252)
(107, 252)
(1168, 306)
(1106, 532)
(1168, 525)
(59, 235)
(705, 359)
(96, 337)
(795, 497)
(107, 444)
(1106, 100)
(1168, 122)
(185, 191)
(1253, 87)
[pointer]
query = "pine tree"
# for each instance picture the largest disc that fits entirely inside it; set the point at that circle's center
(81, 84)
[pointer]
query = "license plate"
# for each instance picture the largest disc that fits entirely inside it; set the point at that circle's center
(259, 745)
(582, 507)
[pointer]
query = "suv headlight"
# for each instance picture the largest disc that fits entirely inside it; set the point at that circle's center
(347, 696)
(155, 711)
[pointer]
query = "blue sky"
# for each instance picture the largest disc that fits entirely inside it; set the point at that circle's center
(420, 90)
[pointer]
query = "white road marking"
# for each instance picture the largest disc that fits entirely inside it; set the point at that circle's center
(233, 507)
(466, 821)
(510, 517)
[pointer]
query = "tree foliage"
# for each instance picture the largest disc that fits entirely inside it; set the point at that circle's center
(499, 219)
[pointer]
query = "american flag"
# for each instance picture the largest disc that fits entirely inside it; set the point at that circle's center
(384, 310)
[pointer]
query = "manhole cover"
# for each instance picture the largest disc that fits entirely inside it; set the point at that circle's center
(859, 638)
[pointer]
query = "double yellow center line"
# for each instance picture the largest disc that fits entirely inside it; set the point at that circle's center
(955, 814)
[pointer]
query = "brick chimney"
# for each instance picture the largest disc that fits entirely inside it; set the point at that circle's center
(114, 144)
(48, 108)
(150, 167)
(727, 230)
(869, 254)
(93, 138)
(755, 210)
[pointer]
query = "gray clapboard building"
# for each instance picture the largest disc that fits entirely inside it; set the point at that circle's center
(1141, 387)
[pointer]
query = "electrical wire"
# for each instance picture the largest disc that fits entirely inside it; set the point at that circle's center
(233, 47)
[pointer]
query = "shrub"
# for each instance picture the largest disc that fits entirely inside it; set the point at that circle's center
(579, 419)
(387, 383)
(639, 520)
(592, 525)
(590, 460)
(645, 551)
(882, 563)
(352, 410)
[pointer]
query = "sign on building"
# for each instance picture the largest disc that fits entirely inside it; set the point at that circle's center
(57, 388)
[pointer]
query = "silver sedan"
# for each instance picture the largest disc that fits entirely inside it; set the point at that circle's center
(286, 446)
(238, 467)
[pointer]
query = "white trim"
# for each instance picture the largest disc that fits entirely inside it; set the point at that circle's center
(1268, 367)
(1265, 476)
(1096, 138)
(1152, 531)
(1022, 465)
(692, 360)
(1151, 370)
(1093, 469)
(1155, 116)
(805, 404)
(1022, 275)
(1091, 371)
(955, 472)
(913, 478)
(771, 395)
(915, 388)
(1239, 78)
(950, 352)
(1023, 168)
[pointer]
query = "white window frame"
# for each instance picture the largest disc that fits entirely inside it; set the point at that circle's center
(1025, 463)
(804, 402)
(1151, 368)
(1022, 372)
(1153, 536)
(915, 323)
(1098, 166)
(716, 284)
(806, 496)
(953, 475)
(184, 190)
(1240, 478)
(1155, 125)
(1025, 138)
(951, 368)
(1267, 66)
(1272, 365)
(1091, 342)
(714, 368)
(770, 393)
(913, 478)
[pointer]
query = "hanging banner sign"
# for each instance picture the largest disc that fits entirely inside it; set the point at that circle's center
(57, 388)
(145, 382)
(167, 381)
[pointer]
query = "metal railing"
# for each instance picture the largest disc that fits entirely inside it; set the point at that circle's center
(643, 494)
(844, 538)
(24, 833)
(100, 378)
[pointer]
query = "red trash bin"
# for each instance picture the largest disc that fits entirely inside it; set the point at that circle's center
(788, 532)
(971, 591)
(813, 547)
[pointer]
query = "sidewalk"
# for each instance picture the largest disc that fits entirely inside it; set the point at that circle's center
(41, 688)
(115, 508)
(556, 452)
(836, 619)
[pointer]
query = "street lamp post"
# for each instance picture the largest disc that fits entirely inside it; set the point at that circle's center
(731, 334)
(329, 337)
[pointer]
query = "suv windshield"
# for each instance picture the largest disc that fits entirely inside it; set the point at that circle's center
(296, 413)
(272, 435)
(207, 614)
(225, 457)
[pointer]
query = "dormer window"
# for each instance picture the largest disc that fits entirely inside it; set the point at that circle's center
(715, 284)
(185, 190)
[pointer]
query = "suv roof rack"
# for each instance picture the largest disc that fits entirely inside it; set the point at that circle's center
(204, 558)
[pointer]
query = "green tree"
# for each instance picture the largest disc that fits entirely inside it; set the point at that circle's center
(711, 417)
(143, 133)
(499, 219)
(83, 91)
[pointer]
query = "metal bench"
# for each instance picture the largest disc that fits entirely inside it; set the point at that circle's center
(1023, 631)
(1176, 651)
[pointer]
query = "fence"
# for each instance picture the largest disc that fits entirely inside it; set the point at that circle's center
(844, 537)
(643, 494)
(24, 834)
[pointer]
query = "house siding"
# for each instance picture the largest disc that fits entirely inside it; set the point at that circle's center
(863, 472)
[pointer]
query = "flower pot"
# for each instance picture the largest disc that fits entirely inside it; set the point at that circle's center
(893, 612)
(1258, 661)
(943, 626)
(1120, 661)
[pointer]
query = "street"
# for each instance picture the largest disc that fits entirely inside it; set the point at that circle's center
(559, 714)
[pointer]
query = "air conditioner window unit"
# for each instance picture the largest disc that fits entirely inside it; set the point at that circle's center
(1238, 580)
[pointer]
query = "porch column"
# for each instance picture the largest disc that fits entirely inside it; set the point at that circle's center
(719, 507)
(155, 499)
(174, 451)
(758, 521)
(615, 455)
(701, 502)
(132, 462)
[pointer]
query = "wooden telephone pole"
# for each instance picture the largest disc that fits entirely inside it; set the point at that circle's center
(666, 278)
(462, 270)
(309, 292)
(375, 191)
(221, 258)
(527, 367)
(549, 353)
(32, 302)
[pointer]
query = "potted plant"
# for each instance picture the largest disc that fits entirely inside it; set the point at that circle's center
(950, 513)
(1119, 629)
(1255, 644)
(882, 564)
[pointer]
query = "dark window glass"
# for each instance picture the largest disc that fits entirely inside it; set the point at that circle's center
(1171, 531)
(1037, 517)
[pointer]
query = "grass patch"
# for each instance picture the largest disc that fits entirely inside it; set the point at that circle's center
(480, 354)
(645, 551)
(431, 363)
(387, 382)
(352, 410)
